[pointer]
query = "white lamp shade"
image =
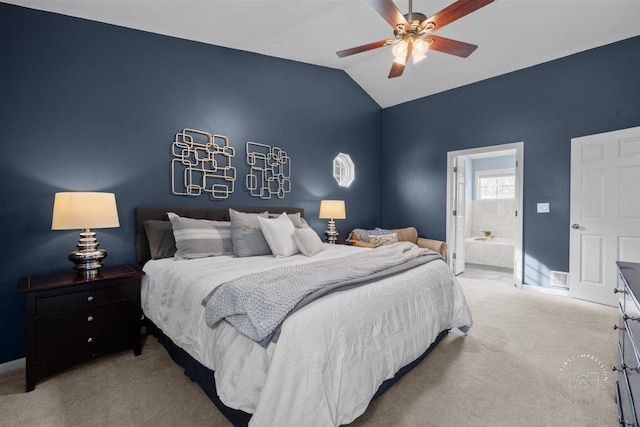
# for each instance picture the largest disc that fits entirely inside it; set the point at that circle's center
(332, 209)
(78, 210)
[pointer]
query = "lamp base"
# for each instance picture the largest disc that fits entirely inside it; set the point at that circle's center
(88, 258)
(331, 232)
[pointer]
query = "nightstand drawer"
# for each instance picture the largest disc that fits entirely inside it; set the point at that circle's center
(82, 300)
(86, 333)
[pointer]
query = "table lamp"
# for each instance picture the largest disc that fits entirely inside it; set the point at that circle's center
(80, 210)
(332, 210)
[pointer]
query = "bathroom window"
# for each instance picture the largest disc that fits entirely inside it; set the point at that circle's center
(496, 184)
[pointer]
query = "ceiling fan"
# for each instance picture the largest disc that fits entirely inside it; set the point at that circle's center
(412, 32)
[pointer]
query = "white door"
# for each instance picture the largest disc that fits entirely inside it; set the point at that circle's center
(458, 218)
(605, 211)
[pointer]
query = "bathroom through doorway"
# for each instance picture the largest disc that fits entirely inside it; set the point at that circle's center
(484, 209)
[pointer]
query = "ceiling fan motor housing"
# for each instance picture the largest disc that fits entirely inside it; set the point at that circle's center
(415, 18)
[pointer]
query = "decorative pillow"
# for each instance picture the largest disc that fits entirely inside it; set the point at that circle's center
(380, 231)
(307, 241)
(160, 236)
(279, 235)
(363, 235)
(303, 223)
(247, 236)
(384, 239)
(199, 238)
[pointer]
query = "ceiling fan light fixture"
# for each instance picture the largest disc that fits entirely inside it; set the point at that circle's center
(418, 57)
(420, 47)
(400, 51)
(400, 61)
(419, 50)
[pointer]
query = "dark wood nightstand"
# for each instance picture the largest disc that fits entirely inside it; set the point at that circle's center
(70, 319)
(344, 242)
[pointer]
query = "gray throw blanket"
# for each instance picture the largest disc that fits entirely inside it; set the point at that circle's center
(257, 304)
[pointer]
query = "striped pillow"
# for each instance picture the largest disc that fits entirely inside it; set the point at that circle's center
(199, 238)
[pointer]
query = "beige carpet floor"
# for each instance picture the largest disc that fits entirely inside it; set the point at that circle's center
(518, 366)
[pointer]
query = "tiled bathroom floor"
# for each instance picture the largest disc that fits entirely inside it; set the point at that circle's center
(477, 271)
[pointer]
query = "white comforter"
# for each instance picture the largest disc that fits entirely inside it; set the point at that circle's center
(331, 356)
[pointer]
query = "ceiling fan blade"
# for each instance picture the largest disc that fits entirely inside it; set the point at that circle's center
(364, 48)
(389, 12)
(450, 46)
(453, 12)
(397, 68)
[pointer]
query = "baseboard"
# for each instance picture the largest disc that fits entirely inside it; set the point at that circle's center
(12, 365)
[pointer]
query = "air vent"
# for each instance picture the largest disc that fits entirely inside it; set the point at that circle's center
(560, 278)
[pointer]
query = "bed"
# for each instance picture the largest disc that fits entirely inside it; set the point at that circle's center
(331, 358)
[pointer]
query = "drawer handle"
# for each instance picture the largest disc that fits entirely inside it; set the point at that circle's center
(91, 340)
(90, 298)
(627, 317)
(624, 367)
(620, 291)
(90, 319)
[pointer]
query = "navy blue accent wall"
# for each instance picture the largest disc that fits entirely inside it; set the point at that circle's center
(86, 106)
(545, 106)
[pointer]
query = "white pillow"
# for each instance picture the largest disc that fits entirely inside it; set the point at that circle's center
(308, 241)
(279, 235)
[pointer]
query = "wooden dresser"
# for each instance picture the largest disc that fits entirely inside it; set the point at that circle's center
(70, 319)
(628, 366)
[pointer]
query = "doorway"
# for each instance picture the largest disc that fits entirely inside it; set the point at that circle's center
(484, 209)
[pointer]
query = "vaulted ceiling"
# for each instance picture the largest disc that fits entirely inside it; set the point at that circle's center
(511, 34)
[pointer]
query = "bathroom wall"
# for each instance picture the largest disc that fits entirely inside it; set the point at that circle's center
(494, 215)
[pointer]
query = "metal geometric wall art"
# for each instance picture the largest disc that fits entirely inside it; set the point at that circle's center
(269, 171)
(202, 164)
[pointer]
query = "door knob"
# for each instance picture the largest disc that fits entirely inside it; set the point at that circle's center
(575, 226)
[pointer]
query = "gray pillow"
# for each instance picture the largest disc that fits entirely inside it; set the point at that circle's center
(160, 237)
(247, 236)
(296, 219)
(199, 238)
(308, 241)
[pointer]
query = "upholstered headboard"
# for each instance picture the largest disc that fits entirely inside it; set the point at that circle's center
(212, 213)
